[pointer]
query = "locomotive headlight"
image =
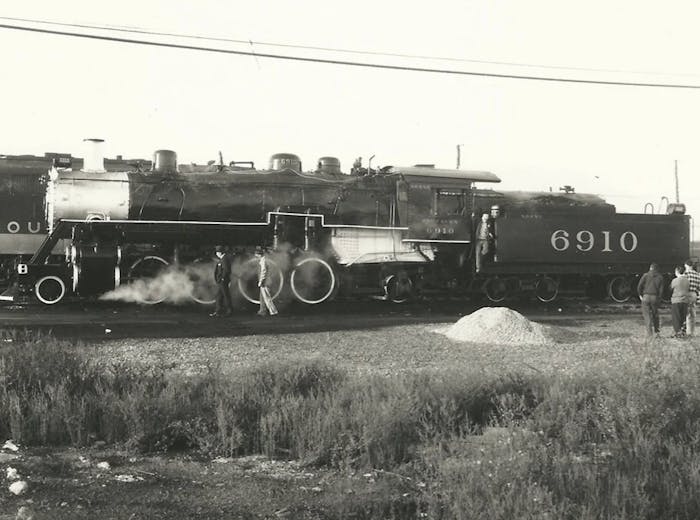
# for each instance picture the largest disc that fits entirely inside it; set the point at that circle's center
(22, 269)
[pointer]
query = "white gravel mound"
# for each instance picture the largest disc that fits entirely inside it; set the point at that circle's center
(499, 325)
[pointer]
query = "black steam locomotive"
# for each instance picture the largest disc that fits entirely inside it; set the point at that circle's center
(393, 232)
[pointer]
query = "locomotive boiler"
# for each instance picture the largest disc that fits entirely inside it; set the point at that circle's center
(23, 223)
(394, 232)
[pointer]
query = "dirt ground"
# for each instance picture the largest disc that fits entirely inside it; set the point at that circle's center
(69, 484)
(580, 341)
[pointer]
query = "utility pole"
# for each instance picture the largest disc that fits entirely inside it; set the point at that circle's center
(459, 155)
(678, 199)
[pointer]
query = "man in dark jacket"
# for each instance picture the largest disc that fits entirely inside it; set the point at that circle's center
(650, 289)
(484, 240)
(222, 276)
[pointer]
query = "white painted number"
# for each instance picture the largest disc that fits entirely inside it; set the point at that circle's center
(560, 240)
(22, 269)
(623, 241)
(585, 241)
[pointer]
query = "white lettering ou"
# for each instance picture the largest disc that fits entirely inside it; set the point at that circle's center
(606, 247)
(623, 241)
(31, 228)
(13, 226)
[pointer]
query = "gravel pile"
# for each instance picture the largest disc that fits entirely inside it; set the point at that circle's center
(499, 325)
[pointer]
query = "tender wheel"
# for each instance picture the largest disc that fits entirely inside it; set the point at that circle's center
(496, 289)
(546, 289)
(313, 281)
(620, 289)
(145, 272)
(201, 274)
(50, 289)
(248, 280)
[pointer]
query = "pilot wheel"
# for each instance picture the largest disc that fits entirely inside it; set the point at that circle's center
(50, 289)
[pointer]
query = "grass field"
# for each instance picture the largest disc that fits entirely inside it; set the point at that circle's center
(392, 423)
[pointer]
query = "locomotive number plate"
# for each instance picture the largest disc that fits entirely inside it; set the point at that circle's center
(585, 240)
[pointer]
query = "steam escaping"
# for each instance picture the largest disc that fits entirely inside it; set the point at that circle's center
(157, 282)
(176, 284)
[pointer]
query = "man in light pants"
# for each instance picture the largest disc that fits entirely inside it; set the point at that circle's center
(267, 306)
(694, 282)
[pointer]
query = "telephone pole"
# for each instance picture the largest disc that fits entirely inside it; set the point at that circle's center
(459, 155)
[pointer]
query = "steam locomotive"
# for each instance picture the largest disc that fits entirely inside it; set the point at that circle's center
(393, 232)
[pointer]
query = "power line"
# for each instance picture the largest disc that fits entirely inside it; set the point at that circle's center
(347, 63)
(136, 30)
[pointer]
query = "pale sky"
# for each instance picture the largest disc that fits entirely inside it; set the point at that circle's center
(616, 141)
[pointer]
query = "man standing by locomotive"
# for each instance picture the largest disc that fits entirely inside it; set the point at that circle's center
(650, 289)
(484, 240)
(222, 276)
(694, 289)
(267, 306)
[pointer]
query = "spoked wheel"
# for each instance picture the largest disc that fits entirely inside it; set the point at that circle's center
(145, 273)
(620, 289)
(496, 289)
(201, 274)
(398, 288)
(313, 281)
(546, 289)
(248, 280)
(50, 289)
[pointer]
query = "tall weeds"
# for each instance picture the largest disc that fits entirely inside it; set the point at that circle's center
(598, 445)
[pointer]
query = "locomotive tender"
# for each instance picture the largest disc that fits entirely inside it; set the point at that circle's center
(405, 231)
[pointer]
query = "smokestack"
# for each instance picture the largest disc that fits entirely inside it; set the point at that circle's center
(94, 161)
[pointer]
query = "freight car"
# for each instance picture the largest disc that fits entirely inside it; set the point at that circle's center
(23, 181)
(398, 231)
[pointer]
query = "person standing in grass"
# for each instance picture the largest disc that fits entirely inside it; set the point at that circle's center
(694, 290)
(679, 302)
(650, 288)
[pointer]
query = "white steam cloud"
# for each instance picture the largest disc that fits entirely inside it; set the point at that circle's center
(173, 284)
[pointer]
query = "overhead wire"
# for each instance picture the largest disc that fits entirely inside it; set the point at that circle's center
(349, 63)
(136, 30)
